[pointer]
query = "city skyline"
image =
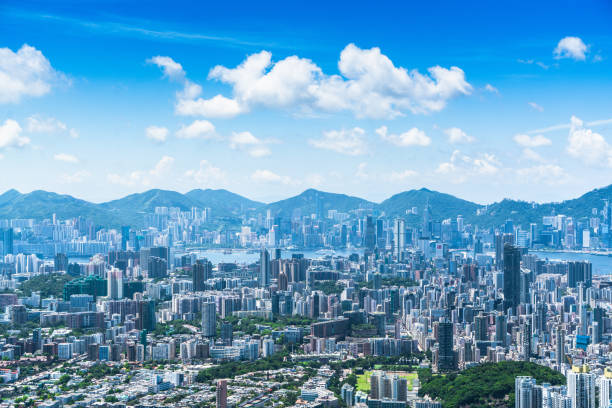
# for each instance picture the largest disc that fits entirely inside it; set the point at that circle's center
(268, 103)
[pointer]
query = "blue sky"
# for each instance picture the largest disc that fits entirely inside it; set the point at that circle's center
(482, 100)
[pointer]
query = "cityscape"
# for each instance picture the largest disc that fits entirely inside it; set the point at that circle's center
(154, 253)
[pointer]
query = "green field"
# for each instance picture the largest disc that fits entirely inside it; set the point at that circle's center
(363, 380)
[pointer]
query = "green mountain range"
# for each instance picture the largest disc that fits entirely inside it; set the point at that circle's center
(130, 210)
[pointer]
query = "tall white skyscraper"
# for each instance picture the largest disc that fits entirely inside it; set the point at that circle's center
(399, 236)
(581, 388)
(115, 284)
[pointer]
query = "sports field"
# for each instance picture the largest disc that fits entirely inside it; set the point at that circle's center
(363, 380)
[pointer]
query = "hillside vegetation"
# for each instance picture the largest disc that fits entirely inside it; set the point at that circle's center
(486, 385)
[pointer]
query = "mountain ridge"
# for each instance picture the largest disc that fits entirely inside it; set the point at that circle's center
(130, 210)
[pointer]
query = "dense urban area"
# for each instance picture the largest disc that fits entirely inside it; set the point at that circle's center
(318, 308)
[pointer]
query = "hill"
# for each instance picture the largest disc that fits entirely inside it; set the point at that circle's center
(485, 385)
(223, 202)
(314, 201)
(442, 205)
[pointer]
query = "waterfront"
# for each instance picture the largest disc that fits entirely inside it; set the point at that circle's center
(602, 265)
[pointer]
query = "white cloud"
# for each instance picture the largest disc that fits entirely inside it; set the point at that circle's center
(38, 124)
(67, 158)
(532, 155)
(532, 141)
(346, 141)
(571, 47)
(206, 174)
(369, 85)
(267, 176)
(73, 133)
(413, 137)
(199, 129)
(10, 135)
(362, 172)
(544, 173)
(397, 176)
(143, 177)
(77, 177)
(24, 73)
(587, 145)
(157, 133)
(456, 136)
(170, 68)
(460, 167)
(248, 142)
(535, 106)
(491, 88)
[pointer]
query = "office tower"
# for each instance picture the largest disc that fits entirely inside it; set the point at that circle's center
(560, 352)
(125, 236)
(426, 229)
(209, 318)
(147, 320)
(533, 234)
(201, 272)
(501, 329)
(6, 235)
(446, 356)
(481, 325)
(380, 234)
(264, 269)
(523, 392)
(348, 394)
(370, 234)
(60, 263)
(399, 236)
(283, 281)
(227, 333)
(579, 271)
(526, 340)
(157, 267)
(581, 388)
(512, 276)
(115, 284)
(221, 393)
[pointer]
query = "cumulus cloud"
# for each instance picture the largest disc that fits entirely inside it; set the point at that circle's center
(532, 141)
(248, 142)
(67, 158)
(25, 73)
(199, 129)
(143, 177)
(413, 137)
(38, 124)
(10, 135)
(346, 141)
(267, 176)
(369, 85)
(205, 174)
(456, 136)
(571, 47)
(169, 67)
(157, 133)
(544, 173)
(460, 167)
(587, 145)
(535, 106)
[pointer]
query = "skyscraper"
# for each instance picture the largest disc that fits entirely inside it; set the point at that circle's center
(446, 356)
(560, 352)
(209, 318)
(399, 236)
(264, 269)
(115, 284)
(581, 388)
(201, 272)
(221, 393)
(512, 276)
(523, 392)
(370, 233)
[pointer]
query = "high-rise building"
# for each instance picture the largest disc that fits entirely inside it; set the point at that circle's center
(446, 355)
(209, 318)
(581, 388)
(579, 271)
(399, 236)
(115, 284)
(370, 234)
(560, 352)
(523, 392)
(6, 235)
(221, 393)
(512, 276)
(201, 272)
(264, 269)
